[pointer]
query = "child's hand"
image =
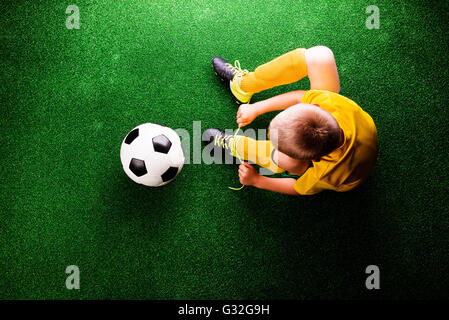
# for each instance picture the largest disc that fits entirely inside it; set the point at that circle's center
(248, 174)
(246, 114)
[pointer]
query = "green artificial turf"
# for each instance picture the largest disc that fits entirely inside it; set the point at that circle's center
(68, 97)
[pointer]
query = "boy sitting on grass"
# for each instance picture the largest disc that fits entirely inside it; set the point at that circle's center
(322, 137)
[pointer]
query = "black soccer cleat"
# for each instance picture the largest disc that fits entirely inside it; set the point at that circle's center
(233, 74)
(209, 135)
(223, 69)
(220, 140)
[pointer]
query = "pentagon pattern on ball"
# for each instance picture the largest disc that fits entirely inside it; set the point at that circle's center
(132, 136)
(169, 174)
(161, 144)
(138, 167)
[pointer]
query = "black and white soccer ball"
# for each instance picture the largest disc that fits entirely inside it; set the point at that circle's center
(152, 154)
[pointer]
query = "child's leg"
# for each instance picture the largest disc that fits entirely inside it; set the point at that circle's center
(288, 68)
(317, 62)
(323, 74)
(258, 152)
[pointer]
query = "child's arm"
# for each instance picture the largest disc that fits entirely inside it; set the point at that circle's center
(249, 176)
(248, 112)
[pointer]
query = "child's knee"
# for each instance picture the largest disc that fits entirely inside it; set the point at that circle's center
(322, 69)
(320, 54)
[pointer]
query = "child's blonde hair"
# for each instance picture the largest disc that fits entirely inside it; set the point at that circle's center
(305, 132)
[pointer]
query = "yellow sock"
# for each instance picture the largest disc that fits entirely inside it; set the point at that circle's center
(258, 152)
(288, 68)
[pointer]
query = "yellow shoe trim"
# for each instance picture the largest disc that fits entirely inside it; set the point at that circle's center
(228, 142)
(242, 96)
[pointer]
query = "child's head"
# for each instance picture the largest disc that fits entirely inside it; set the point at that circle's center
(305, 132)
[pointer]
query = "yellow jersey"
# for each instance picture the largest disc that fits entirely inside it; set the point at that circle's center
(349, 165)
